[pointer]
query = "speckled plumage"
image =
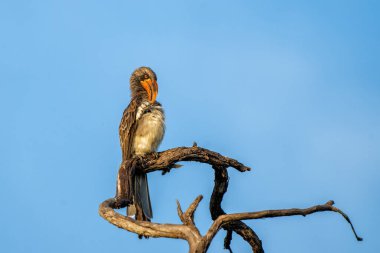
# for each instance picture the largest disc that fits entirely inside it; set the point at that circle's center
(141, 130)
(150, 130)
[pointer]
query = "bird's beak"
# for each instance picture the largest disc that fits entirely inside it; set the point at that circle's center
(151, 88)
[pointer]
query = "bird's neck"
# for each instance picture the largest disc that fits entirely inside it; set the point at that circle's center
(139, 96)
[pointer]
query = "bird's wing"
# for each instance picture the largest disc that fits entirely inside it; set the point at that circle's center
(127, 129)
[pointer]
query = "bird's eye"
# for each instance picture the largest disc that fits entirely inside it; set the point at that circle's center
(146, 77)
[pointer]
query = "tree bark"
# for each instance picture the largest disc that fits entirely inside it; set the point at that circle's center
(167, 160)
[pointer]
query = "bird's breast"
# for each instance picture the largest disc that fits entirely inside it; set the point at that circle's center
(150, 131)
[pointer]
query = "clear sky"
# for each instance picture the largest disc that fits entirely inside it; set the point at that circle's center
(290, 88)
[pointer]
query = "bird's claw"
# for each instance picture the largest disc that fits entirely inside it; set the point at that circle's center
(140, 158)
(155, 155)
(121, 202)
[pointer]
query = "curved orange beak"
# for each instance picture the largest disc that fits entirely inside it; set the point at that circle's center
(151, 88)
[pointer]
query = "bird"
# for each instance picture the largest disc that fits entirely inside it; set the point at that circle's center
(141, 131)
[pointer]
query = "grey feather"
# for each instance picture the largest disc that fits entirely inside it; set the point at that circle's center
(142, 194)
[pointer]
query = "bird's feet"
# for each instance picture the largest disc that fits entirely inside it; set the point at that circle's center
(121, 202)
(155, 155)
(140, 158)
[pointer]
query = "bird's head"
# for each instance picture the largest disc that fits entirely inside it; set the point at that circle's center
(144, 83)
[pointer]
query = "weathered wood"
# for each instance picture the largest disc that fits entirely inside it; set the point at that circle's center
(239, 227)
(167, 160)
(188, 231)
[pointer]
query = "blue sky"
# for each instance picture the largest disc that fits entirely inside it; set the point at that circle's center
(290, 88)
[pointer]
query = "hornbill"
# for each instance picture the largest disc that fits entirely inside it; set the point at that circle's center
(141, 130)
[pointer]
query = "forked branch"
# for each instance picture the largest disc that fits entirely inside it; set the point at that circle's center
(167, 160)
(227, 218)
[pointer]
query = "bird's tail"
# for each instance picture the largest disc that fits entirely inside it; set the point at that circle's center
(142, 207)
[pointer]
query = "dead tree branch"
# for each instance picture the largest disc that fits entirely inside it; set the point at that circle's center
(227, 218)
(239, 227)
(167, 160)
(188, 231)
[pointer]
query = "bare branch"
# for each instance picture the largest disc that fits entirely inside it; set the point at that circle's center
(189, 214)
(187, 218)
(224, 219)
(180, 212)
(227, 241)
(167, 160)
(144, 228)
(239, 227)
